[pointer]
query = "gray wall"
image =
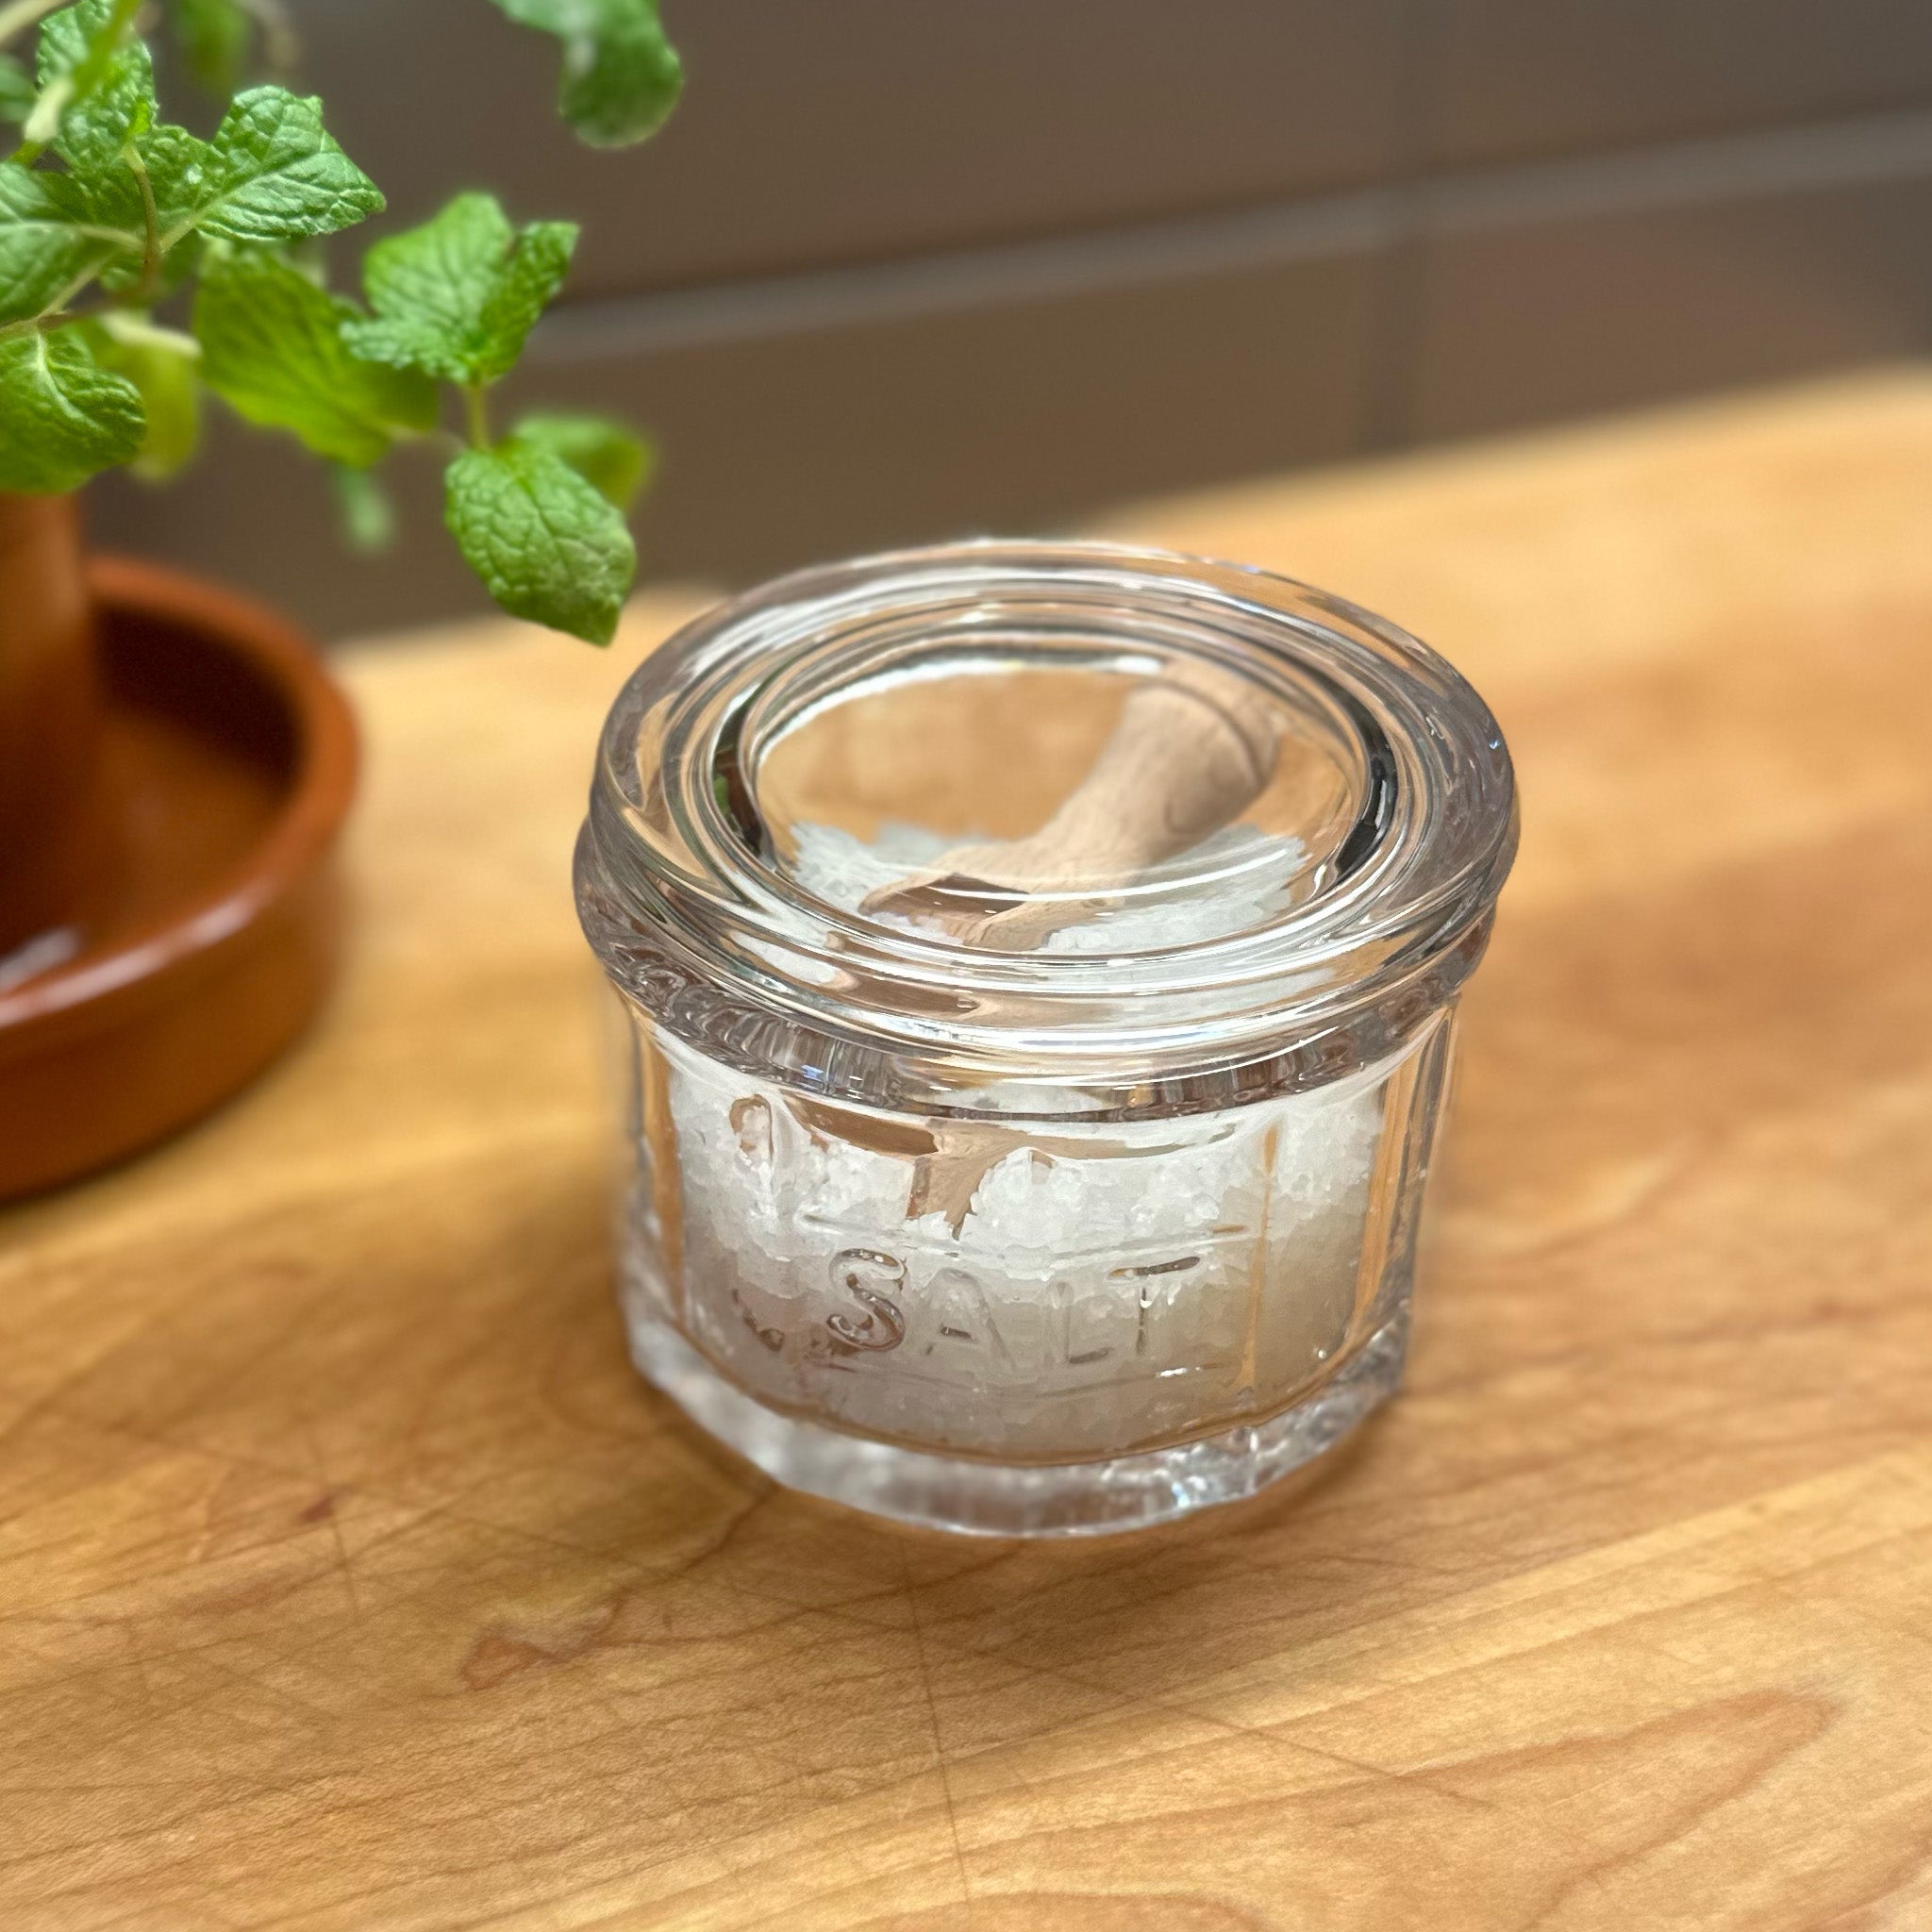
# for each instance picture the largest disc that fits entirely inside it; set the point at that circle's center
(900, 269)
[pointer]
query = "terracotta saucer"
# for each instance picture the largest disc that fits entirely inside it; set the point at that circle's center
(207, 937)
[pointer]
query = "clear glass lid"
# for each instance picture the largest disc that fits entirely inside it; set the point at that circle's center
(1101, 818)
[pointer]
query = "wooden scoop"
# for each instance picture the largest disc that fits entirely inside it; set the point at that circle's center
(1193, 751)
(948, 1163)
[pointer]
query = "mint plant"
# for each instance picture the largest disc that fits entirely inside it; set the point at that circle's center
(141, 266)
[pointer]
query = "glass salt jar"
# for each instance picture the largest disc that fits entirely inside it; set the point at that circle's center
(1037, 966)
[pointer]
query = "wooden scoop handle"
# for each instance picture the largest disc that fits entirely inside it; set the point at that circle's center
(1193, 750)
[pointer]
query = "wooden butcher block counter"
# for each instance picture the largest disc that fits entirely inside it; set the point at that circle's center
(350, 1579)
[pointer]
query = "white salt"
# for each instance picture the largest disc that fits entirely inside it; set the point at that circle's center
(1107, 1285)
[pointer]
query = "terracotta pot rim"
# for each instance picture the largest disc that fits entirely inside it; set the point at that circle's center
(100, 987)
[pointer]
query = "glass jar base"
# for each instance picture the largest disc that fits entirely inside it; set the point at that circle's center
(981, 1498)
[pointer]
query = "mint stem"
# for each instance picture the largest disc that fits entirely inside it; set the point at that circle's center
(152, 250)
(105, 46)
(22, 15)
(479, 414)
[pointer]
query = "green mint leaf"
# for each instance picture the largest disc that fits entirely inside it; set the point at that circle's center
(62, 416)
(50, 241)
(547, 546)
(97, 85)
(18, 92)
(614, 461)
(621, 76)
(530, 278)
(214, 36)
(166, 369)
(457, 298)
(271, 173)
(273, 350)
(369, 518)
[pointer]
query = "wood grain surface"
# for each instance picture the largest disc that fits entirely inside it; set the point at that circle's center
(349, 1577)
